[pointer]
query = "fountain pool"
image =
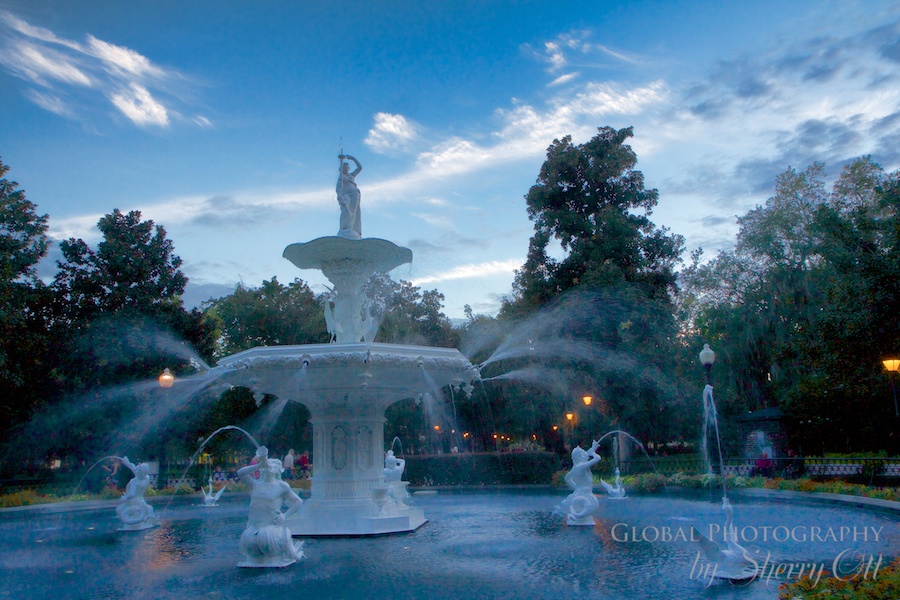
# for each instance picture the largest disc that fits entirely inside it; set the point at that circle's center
(505, 544)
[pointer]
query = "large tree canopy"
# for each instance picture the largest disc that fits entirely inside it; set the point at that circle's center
(119, 306)
(132, 269)
(272, 314)
(589, 199)
(613, 285)
(23, 300)
(804, 308)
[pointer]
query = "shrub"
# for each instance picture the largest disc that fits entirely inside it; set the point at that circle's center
(482, 468)
(648, 482)
(884, 584)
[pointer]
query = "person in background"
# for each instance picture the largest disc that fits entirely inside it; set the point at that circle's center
(303, 463)
(288, 464)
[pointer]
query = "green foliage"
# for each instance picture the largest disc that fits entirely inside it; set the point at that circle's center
(24, 342)
(272, 314)
(801, 314)
(879, 585)
(132, 269)
(591, 200)
(496, 468)
(410, 316)
(612, 291)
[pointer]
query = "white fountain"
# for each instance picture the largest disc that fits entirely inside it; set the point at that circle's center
(347, 385)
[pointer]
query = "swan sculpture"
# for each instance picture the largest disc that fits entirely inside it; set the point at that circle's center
(210, 498)
(731, 559)
(616, 492)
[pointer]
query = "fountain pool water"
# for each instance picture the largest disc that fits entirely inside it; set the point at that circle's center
(505, 544)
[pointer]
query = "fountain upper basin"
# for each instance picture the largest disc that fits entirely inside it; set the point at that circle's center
(364, 373)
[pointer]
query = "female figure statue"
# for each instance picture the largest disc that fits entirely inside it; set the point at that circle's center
(348, 198)
(266, 542)
(134, 511)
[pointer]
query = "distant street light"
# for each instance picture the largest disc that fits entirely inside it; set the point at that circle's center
(589, 420)
(892, 365)
(166, 380)
(707, 358)
(570, 417)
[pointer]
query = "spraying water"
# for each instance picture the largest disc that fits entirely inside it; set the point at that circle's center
(181, 480)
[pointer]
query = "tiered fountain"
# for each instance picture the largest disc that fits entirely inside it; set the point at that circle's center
(347, 385)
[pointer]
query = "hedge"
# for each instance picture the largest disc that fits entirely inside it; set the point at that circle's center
(493, 468)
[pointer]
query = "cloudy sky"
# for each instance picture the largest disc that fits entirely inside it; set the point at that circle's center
(222, 120)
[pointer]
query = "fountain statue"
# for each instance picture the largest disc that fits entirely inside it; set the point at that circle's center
(134, 511)
(393, 467)
(211, 498)
(580, 506)
(393, 473)
(347, 385)
(266, 541)
(348, 199)
(616, 492)
(731, 561)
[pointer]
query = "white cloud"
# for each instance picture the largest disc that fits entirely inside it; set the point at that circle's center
(136, 87)
(471, 271)
(39, 65)
(555, 56)
(49, 102)
(441, 221)
(137, 104)
(391, 133)
(563, 79)
(124, 59)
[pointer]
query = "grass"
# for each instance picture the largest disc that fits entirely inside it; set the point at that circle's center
(651, 482)
(29, 497)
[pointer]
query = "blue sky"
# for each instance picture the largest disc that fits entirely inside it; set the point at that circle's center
(222, 120)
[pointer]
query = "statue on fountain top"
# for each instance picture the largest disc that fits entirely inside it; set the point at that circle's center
(348, 197)
(580, 505)
(134, 511)
(266, 542)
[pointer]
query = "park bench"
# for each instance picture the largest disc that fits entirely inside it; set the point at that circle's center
(738, 470)
(891, 470)
(834, 469)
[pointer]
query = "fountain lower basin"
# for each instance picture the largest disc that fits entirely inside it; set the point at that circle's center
(488, 544)
(347, 388)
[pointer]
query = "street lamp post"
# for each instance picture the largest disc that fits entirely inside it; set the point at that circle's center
(570, 417)
(166, 381)
(586, 399)
(892, 365)
(707, 358)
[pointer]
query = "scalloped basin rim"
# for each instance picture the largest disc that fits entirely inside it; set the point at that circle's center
(375, 349)
(379, 254)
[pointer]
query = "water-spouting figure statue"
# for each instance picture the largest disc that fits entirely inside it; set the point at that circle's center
(580, 506)
(393, 467)
(134, 512)
(616, 492)
(730, 559)
(393, 475)
(211, 498)
(266, 541)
